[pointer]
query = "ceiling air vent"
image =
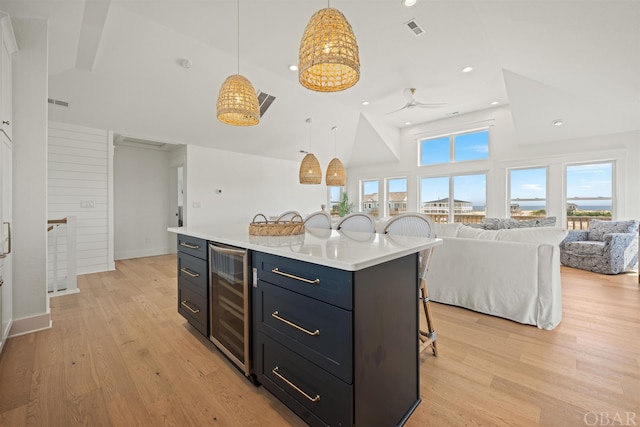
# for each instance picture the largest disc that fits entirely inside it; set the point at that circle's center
(265, 100)
(414, 27)
(57, 102)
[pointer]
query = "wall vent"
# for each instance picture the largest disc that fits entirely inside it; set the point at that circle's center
(414, 27)
(58, 102)
(265, 100)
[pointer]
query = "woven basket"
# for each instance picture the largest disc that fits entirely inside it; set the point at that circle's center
(276, 228)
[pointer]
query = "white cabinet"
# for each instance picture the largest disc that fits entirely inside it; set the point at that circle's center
(8, 47)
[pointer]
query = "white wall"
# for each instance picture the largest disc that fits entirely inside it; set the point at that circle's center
(31, 311)
(142, 201)
(250, 185)
(78, 167)
(505, 152)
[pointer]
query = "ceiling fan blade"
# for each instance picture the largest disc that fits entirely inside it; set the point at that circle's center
(395, 111)
(434, 105)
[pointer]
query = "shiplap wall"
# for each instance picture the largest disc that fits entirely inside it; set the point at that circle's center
(78, 170)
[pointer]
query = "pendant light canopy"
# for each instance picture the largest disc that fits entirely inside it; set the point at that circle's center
(237, 101)
(328, 57)
(310, 172)
(336, 174)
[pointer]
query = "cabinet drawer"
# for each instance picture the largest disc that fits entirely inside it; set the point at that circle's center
(318, 331)
(192, 306)
(193, 270)
(192, 246)
(294, 379)
(324, 283)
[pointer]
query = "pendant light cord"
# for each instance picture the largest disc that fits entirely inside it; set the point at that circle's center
(309, 121)
(335, 149)
(238, 36)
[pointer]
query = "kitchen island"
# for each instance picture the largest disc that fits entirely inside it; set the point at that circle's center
(334, 321)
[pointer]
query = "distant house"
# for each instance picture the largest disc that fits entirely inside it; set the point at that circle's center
(441, 206)
(370, 204)
(397, 202)
(571, 208)
(514, 208)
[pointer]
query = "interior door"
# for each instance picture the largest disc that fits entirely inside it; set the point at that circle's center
(6, 297)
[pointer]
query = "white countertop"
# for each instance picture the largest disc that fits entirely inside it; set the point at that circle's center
(345, 250)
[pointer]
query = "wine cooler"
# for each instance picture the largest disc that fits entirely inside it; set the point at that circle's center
(229, 304)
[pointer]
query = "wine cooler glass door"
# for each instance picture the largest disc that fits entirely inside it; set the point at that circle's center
(229, 302)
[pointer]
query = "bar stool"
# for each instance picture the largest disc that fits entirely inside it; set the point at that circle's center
(416, 224)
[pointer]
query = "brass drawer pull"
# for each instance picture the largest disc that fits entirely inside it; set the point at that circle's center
(291, 276)
(189, 273)
(184, 304)
(276, 315)
(295, 387)
(187, 245)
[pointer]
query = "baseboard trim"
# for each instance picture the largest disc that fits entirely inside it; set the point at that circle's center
(141, 253)
(27, 325)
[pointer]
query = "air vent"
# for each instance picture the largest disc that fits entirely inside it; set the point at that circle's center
(414, 27)
(57, 102)
(265, 100)
(139, 142)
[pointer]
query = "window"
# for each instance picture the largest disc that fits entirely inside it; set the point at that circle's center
(528, 189)
(369, 201)
(459, 198)
(335, 193)
(455, 147)
(396, 196)
(590, 189)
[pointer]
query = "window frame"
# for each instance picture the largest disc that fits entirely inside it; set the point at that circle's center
(452, 136)
(613, 198)
(546, 189)
(451, 189)
(387, 199)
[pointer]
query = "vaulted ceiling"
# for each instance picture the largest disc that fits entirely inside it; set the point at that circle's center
(118, 65)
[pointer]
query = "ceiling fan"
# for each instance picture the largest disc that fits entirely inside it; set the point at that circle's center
(412, 103)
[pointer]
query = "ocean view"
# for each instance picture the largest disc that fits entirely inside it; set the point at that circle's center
(533, 208)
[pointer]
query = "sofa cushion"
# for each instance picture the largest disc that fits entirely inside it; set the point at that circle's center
(585, 248)
(598, 228)
(476, 233)
(508, 223)
(546, 235)
(447, 230)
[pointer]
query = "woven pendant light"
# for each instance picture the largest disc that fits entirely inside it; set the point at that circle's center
(237, 100)
(336, 174)
(328, 57)
(310, 172)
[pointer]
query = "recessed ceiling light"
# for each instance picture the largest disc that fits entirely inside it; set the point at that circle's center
(365, 102)
(293, 67)
(557, 122)
(495, 103)
(467, 69)
(407, 123)
(409, 3)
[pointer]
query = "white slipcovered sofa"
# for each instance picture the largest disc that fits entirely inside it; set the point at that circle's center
(510, 273)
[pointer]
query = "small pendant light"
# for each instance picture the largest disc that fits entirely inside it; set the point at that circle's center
(336, 174)
(310, 172)
(237, 101)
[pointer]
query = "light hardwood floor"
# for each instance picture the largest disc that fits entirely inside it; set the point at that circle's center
(120, 355)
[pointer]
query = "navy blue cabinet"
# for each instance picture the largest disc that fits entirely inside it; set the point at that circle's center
(193, 290)
(339, 348)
